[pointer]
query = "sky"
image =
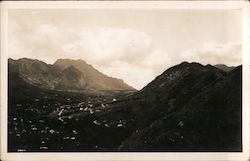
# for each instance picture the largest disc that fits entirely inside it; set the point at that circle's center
(133, 45)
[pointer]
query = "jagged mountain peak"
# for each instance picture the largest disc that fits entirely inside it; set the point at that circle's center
(67, 62)
(184, 71)
(25, 60)
(224, 67)
(62, 73)
(101, 80)
(184, 66)
(30, 67)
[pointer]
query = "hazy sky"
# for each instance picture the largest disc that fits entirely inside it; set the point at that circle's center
(134, 45)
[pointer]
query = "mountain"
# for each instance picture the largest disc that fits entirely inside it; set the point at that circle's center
(64, 75)
(188, 107)
(94, 78)
(202, 117)
(224, 67)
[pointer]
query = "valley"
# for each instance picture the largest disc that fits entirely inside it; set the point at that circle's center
(56, 122)
(189, 107)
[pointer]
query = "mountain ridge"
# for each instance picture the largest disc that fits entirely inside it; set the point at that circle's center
(183, 113)
(189, 107)
(224, 67)
(57, 76)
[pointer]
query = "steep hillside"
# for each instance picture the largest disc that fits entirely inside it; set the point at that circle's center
(209, 120)
(64, 75)
(188, 107)
(94, 78)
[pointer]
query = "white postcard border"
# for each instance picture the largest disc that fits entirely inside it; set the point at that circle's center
(124, 156)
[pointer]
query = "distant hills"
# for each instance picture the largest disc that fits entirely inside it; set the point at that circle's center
(224, 67)
(64, 75)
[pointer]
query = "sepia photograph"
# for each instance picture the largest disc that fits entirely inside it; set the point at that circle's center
(136, 79)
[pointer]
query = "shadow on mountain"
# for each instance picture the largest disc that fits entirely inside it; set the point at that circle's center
(189, 107)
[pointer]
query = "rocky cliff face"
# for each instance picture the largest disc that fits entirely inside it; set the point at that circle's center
(65, 75)
(94, 78)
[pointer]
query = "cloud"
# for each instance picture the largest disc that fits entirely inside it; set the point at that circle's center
(43, 42)
(215, 53)
(135, 46)
(131, 55)
(127, 54)
(103, 45)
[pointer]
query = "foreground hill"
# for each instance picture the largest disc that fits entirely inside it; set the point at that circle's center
(205, 114)
(64, 75)
(189, 107)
